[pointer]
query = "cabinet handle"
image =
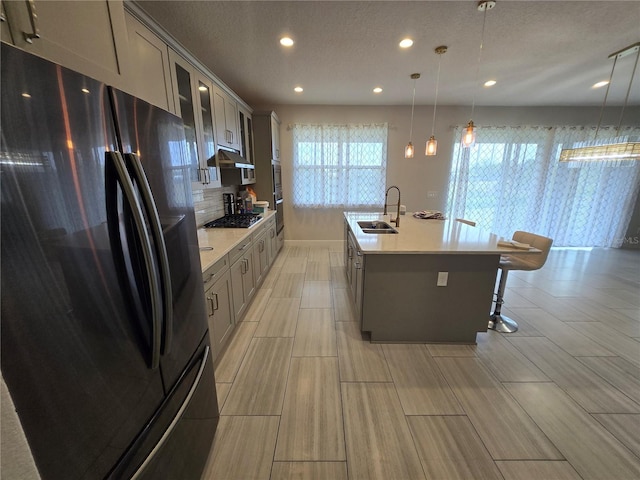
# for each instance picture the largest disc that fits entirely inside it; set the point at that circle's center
(210, 300)
(357, 265)
(277, 153)
(33, 18)
(216, 305)
(231, 136)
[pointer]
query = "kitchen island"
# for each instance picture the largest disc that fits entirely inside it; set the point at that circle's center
(431, 282)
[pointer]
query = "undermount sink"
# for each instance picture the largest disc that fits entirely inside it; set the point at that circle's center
(375, 226)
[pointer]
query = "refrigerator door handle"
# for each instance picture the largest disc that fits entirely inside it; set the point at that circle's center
(135, 168)
(114, 160)
(178, 416)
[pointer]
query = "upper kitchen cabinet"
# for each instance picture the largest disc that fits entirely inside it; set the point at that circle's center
(149, 73)
(193, 100)
(275, 136)
(87, 36)
(226, 114)
(240, 173)
(5, 34)
(267, 134)
(246, 134)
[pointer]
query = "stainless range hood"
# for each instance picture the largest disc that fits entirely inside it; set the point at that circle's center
(231, 159)
(235, 169)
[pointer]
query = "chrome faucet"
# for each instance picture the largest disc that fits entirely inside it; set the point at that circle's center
(386, 195)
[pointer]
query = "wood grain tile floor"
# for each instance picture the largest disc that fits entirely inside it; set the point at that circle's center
(304, 394)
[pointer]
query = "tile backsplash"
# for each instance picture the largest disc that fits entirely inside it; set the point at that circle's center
(208, 205)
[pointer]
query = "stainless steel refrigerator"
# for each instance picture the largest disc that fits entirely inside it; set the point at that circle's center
(105, 346)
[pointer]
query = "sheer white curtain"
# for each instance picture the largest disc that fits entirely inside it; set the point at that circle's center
(339, 165)
(512, 180)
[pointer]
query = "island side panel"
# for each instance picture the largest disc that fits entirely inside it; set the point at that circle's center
(402, 302)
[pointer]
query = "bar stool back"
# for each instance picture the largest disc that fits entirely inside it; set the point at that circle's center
(502, 323)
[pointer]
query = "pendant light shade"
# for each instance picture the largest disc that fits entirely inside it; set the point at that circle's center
(614, 149)
(469, 134)
(432, 146)
(432, 143)
(409, 150)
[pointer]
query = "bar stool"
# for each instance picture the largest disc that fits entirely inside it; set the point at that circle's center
(502, 323)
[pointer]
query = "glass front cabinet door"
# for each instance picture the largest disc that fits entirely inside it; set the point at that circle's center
(194, 103)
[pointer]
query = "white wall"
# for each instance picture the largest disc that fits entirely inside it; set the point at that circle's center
(415, 177)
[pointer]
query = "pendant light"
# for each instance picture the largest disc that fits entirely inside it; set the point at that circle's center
(469, 134)
(408, 150)
(609, 151)
(432, 143)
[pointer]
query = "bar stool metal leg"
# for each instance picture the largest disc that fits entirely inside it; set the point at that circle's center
(498, 322)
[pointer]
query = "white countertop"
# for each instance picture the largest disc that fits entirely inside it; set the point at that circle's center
(416, 236)
(223, 240)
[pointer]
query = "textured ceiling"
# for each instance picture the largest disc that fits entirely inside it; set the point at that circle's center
(541, 53)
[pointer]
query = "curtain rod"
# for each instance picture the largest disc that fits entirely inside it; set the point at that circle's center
(390, 126)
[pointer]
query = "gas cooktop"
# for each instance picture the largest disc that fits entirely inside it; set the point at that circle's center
(237, 220)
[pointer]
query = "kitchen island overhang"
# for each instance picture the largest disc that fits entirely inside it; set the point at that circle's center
(432, 282)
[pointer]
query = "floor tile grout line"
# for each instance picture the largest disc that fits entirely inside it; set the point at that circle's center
(532, 284)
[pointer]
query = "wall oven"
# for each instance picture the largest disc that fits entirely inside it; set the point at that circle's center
(277, 194)
(277, 180)
(279, 215)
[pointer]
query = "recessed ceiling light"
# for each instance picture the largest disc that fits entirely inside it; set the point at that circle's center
(406, 43)
(26, 95)
(85, 90)
(377, 90)
(490, 83)
(286, 41)
(298, 89)
(600, 84)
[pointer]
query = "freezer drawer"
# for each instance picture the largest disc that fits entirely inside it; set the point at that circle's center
(176, 443)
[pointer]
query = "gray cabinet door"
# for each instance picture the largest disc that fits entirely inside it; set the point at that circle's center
(237, 272)
(272, 243)
(226, 119)
(242, 282)
(220, 316)
(260, 257)
(89, 37)
(248, 278)
(149, 58)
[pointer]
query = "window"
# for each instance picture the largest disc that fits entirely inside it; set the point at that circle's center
(339, 165)
(512, 180)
